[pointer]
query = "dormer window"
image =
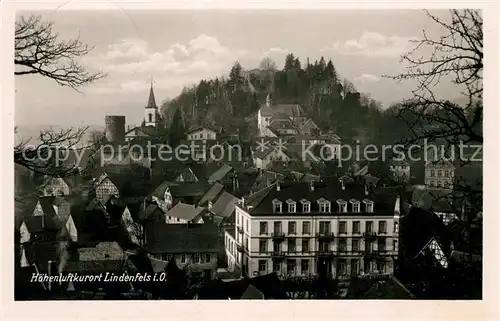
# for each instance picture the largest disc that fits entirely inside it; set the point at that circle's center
(324, 205)
(369, 205)
(306, 205)
(291, 206)
(277, 206)
(342, 205)
(355, 205)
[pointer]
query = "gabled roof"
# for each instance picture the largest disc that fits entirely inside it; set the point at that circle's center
(199, 128)
(185, 211)
(211, 194)
(160, 190)
(147, 212)
(182, 238)
(225, 205)
(219, 174)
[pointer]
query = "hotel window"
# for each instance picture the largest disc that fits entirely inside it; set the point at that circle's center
(438, 184)
(355, 205)
(342, 245)
(197, 258)
(248, 226)
(263, 227)
(368, 246)
(440, 173)
(342, 227)
(342, 268)
(354, 267)
(276, 206)
(183, 258)
(290, 266)
(262, 246)
(433, 183)
(304, 266)
(369, 226)
(324, 246)
(207, 258)
(356, 227)
(355, 245)
(432, 173)
(262, 266)
(277, 227)
(381, 245)
(381, 267)
(306, 206)
(306, 227)
(324, 207)
(395, 245)
(324, 227)
(369, 206)
(292, 246)
(292, 228)
(277, 247)
(382, 227)
(276, 267)
(446, 174)
(342, 206)
(291, 206)
(305, 246)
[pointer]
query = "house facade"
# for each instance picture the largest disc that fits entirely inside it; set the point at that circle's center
(299, 231)
(201, 133)
(55, 186)
(263, 159)
(104, 188)
(439, 174)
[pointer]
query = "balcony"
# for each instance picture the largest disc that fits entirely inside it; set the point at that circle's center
(369, 254)
(325, 235)
(325, 254)
(278, 255)
(240, 229)
(370, 236)
(278, 236)
(240, 248)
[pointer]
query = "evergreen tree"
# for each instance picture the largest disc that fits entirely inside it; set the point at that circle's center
(177, 130)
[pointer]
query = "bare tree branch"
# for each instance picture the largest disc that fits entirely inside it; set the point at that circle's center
(39, 51)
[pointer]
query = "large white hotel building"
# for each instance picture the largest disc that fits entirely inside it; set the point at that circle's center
(334, 227)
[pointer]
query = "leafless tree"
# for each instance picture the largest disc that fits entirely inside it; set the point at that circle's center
(39, 51)
(457, 57)
(267, 64)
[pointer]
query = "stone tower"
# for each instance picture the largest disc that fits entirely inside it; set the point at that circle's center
(115, 129)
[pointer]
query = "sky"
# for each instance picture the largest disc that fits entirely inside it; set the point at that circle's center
(179, 48)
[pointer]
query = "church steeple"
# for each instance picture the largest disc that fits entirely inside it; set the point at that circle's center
(151, 116)
(151, 100)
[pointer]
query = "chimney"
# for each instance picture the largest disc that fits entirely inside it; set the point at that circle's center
(311, 185)
(342, 183)
(366, 189)
(209, 205)
(278, 187)
(243, 202)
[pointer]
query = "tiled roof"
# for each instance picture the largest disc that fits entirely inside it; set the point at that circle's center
(219, 174)
(225, 205)
(329, 189)
(211, 194)
(188, 189)
(160, 190)
(148, 211)
(182, 238)
(185, 211)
